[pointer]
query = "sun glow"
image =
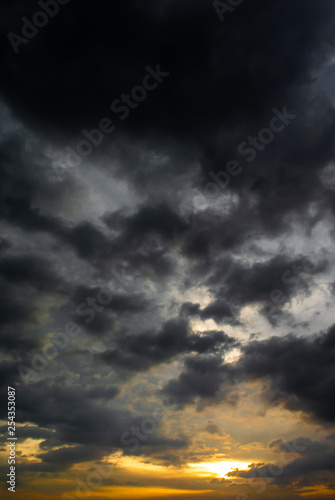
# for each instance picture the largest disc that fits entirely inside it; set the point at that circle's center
(219, 468)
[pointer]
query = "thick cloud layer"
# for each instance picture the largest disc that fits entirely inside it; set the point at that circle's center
(167, 204)
(300, 374)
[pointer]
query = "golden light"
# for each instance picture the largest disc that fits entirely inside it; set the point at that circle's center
(219, 468)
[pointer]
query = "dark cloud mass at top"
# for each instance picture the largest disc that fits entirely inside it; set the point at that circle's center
(189, 255)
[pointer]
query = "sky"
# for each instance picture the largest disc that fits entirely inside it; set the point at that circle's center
(167, 274)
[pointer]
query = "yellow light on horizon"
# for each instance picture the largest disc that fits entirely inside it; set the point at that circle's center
(219, 468)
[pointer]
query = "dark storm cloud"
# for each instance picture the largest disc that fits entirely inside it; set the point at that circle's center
(215, 75)
(304, 446)
(299, 373)
(95, 305)
(30, 270)
(120, 303)
(4, 245)
(158, 220)
(14, 308)
(89, 242)
(145, 237)
(206, 379)
(100, 250)
(67, 456)
(102, 392)
(209, 234)
(218, 310)
(92, 430)
(12, 342)
(219, 82)
(8, 377)
(190, 309)
(210, 89)
(30, 432)
(101, 324)
(254, 283)
(8, 372)
(22, 281)
(225, 81)
(51, 410)
(139, 352)
(25, 180)
(158, 444)
(271, 284)
(302, 461)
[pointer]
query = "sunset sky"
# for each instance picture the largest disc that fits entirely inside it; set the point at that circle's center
(167, 274)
